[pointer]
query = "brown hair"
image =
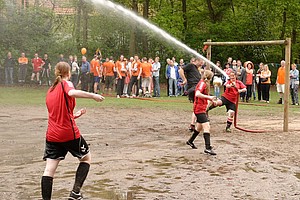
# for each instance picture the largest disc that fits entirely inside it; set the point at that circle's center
(207, 76)
(62, 69)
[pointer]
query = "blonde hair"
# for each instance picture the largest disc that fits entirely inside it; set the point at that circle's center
(62, 69)
(207, 76)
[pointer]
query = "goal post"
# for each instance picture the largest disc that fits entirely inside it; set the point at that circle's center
(287, 43)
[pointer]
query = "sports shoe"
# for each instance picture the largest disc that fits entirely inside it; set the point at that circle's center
(191, 144)
(192, 127)
(228, 130)
(210, 152)
(74, 196)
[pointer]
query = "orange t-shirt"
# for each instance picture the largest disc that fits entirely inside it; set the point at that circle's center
(121, 66)
(95, 64)
(23, 61)
(108, 67)
(146, 69)
(136, 68)
(281, 75)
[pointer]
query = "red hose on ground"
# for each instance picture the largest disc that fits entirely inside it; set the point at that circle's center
(240, 128)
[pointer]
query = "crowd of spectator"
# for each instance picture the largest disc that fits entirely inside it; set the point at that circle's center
(135, 77)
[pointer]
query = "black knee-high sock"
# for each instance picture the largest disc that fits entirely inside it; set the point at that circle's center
(228, 124)
(81, 174)
(207, 140)
(46, 184)
(193, 137)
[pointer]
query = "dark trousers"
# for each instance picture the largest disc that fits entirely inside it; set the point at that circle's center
(294, 93)
(74, 79)
(259, 91)
(84, 81)
(120, 85)
(22, 73)
(133, 81)
(265, 90)
(249, 92)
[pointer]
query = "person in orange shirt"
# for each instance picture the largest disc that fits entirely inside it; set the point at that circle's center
(134, 72)
(23, 62)
(95, 70)
(146, 76)
(108, 72)
(249, 79)
(121, 75)
(280, 81)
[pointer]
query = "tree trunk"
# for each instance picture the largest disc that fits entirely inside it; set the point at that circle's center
(78, 24)
(85, 24)
(211, 11)
(132, 44)
(185, 23)
(145, 15)
(283, 30)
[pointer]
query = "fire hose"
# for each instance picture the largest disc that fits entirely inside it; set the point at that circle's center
(240, 128)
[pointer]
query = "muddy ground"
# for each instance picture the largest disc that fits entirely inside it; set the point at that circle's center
(141, 154)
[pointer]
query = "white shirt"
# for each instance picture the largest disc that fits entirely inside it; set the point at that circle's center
(156, 66)
(172, 73)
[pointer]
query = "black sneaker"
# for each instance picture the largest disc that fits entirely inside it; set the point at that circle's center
(192, 127)
(210, 152)
(191, 144)
(74, 196)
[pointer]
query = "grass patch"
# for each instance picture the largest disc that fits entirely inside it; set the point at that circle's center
(35, 96)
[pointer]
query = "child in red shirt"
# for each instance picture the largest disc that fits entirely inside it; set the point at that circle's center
(200, 104)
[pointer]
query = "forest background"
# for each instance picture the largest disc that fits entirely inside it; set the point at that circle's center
(39, 26)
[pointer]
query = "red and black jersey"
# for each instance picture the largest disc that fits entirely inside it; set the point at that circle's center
(200, 104)
(231, 94)
(60, 128)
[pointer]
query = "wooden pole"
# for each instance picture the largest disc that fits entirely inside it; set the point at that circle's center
(287, 85)
(208, 53)
(241, 43)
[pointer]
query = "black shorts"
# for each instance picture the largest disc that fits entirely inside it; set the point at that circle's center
(202, 118)
(229, 105)
(58, 150)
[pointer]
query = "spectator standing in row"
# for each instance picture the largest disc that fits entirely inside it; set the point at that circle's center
(294, 84)
(96, 73)
(134, 72)
(173, 75)
(9, 65)
(249, 79)
(23, 63)
(74, 71)
(280, 81)
(84, 74)
(46, 69)
(258, 81)
(121, 75)
(146, 70)
(155, 70)
(265, 77)
(241, 76)
(37, 64)
(108, 72)
(217, 80)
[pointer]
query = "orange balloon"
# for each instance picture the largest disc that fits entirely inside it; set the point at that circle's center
(83, 51)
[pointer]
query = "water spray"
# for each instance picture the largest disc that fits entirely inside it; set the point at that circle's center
(128, 13)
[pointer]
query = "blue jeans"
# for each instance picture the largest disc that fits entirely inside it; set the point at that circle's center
(217, 91)
(9, 75)
(172, 83)
(156, 89)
